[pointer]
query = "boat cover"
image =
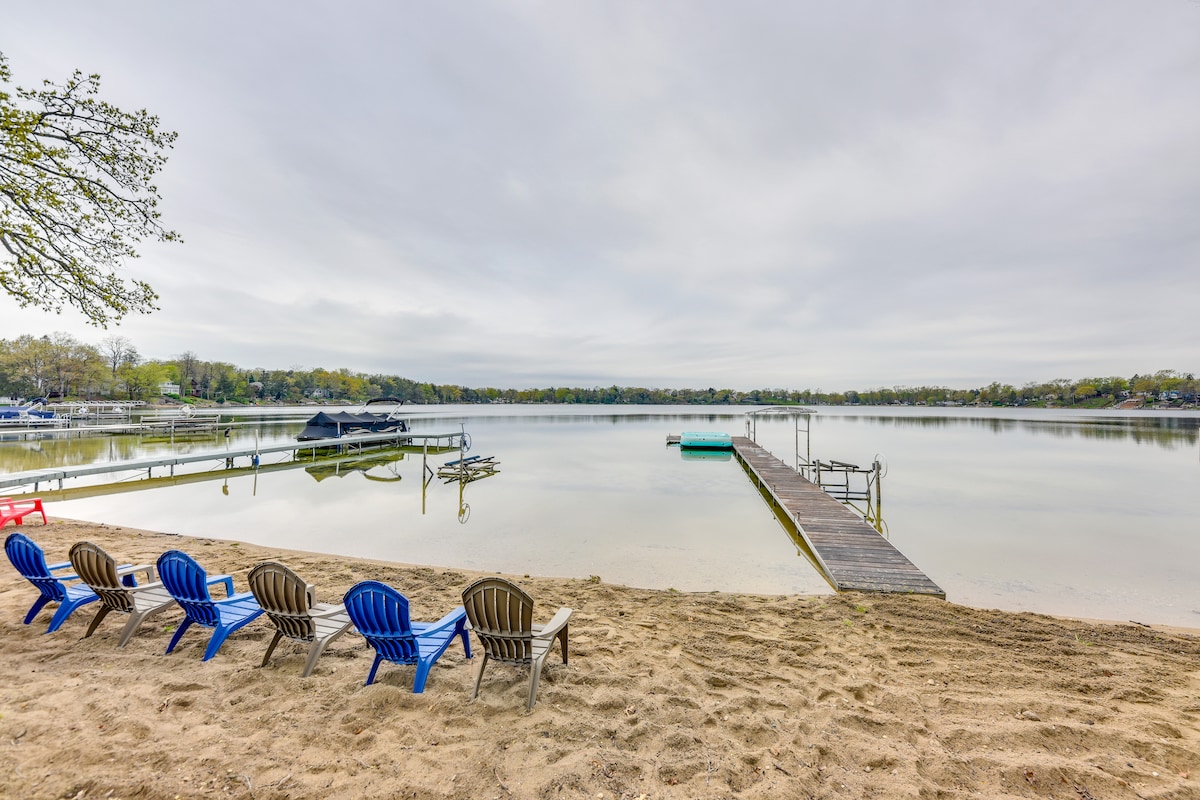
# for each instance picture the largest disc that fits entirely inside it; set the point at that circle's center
(31, 409)
(326, 425)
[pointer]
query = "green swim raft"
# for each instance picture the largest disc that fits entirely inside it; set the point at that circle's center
(705, 440)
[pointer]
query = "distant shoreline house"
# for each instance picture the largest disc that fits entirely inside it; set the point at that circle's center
(167, 388)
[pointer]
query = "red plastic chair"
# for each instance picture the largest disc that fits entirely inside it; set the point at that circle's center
(16, 510)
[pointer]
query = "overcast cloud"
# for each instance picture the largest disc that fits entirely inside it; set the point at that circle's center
(668, 194)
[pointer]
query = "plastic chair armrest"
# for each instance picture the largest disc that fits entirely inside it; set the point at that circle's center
(71, 576)
(225, 579)
(329, 612)
(448, 621)
(55, 567)
(134, 568)
(555, 625)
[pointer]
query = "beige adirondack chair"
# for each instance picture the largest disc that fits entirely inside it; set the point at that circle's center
(99, 570)
(291, 604)
(501, 614)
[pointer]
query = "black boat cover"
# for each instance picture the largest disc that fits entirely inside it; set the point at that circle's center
(344, 423)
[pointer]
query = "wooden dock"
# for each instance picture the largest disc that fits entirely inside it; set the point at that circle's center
(852, 555)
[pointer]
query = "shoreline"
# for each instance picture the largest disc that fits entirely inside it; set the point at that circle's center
(1186, 630)
(1177, 630)
(666, 695)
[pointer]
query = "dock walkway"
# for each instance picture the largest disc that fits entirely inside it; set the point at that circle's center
(34, 478)
(852, 554)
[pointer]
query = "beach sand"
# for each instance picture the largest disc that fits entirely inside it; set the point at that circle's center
(667, 695)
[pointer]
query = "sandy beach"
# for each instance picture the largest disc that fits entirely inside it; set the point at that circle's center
(666, 695)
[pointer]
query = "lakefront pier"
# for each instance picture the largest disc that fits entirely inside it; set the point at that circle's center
(850, 554)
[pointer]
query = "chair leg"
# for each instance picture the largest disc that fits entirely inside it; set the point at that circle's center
(314, 652)
(135, 619)
(183, 626)
(37, 606)
(101, 614)
(535, 673)
(220, 634)
(65, 609)
(374, 666)
(479, 675)
(422, 675)
(466, 640)
(271, 647)
(224, 629)
(318, 647)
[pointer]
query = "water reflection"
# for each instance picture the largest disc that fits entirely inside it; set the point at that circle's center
(611, 418)
(1167, 432)
(1080, 514)
(82, 448)
(367, 466)
(705, 455)
(462, 471)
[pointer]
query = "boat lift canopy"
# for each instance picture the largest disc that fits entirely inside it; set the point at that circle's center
(795, 412)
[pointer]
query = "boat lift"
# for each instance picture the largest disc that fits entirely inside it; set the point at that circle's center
(462, 470)
(838, 478)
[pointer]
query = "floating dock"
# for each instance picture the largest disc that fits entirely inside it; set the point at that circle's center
(851, 554)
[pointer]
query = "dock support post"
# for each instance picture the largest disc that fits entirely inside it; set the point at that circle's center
(878, 492)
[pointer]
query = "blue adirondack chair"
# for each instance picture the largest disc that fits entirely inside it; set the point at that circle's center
(381, 615)
(188, 583)
(30, 560)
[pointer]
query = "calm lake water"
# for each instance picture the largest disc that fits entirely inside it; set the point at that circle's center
(1074, 513)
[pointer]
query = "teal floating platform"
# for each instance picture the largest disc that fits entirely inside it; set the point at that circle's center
(705, 440)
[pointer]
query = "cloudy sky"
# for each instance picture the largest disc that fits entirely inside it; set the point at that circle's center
(671, 194)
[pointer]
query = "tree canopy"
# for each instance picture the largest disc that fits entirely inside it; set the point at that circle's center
(60, 366)
(76, 196)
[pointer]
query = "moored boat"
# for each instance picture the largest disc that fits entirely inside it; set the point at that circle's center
(33, 410)
(335, 424)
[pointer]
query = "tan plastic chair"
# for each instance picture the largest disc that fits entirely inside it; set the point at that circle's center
(501, 614)
(98, 570)
(291, 603)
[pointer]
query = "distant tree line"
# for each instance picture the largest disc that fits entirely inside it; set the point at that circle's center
(60, 367)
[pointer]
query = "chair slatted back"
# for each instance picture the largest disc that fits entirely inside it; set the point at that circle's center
(30, 560)
(287, 598)
(98, 570)
(187, 582)
(381, 615)
(501, 614)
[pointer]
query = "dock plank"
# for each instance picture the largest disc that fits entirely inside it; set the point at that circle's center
(852, 554)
